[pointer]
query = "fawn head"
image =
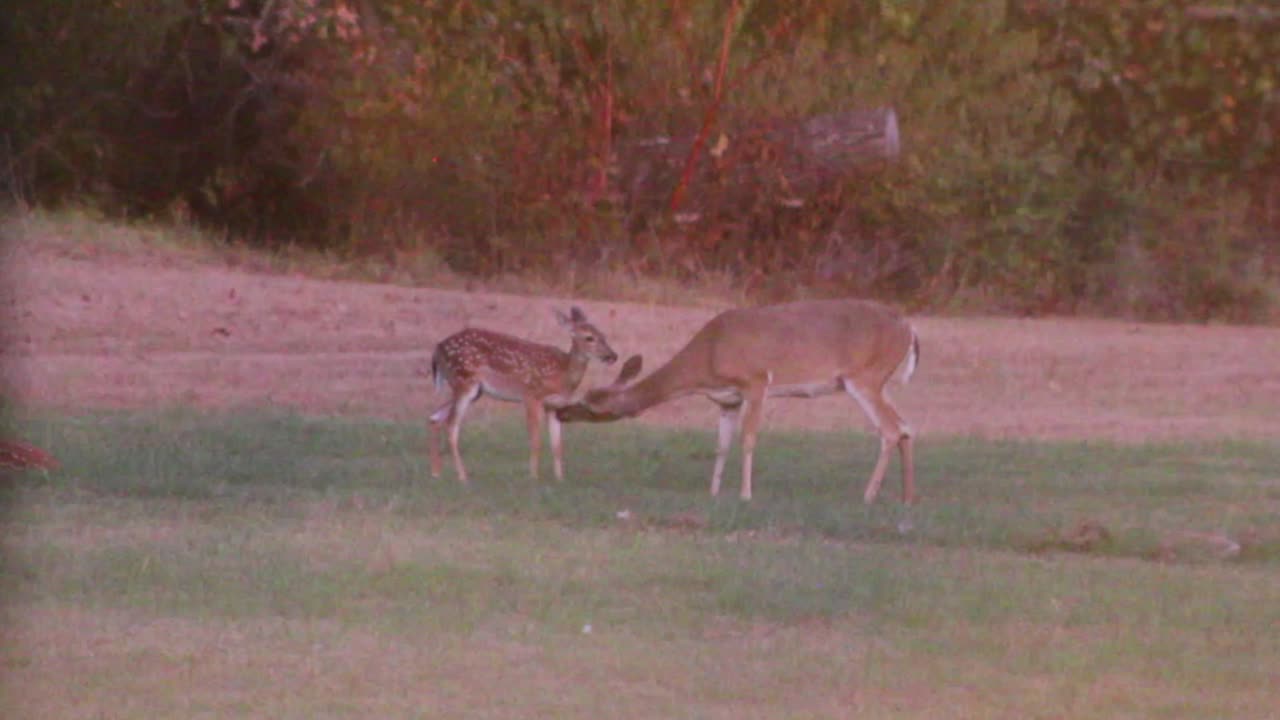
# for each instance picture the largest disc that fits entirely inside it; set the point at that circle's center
(587, 338)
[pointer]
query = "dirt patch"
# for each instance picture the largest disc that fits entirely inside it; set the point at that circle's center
(120, 330)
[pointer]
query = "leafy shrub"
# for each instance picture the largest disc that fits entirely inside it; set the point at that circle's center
(1059, 155)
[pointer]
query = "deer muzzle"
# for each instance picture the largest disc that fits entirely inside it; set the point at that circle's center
(580, 412)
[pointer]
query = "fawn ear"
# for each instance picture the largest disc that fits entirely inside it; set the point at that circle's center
(564, 320)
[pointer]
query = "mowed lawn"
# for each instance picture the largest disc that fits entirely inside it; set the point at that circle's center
(184, 564)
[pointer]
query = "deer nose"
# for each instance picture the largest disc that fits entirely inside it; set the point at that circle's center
(611, 358)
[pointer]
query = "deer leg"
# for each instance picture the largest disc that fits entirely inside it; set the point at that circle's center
(533, 413)
(877, 474)
(459, 411)
(908, 468)
(557, 450)
(434, 430)
(754, 400)
(893, 431)
(728, 424)
(433, 447)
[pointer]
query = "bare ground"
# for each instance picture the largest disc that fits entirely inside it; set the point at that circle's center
(89, 328)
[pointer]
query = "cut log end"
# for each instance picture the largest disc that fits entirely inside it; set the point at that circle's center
(892, 145)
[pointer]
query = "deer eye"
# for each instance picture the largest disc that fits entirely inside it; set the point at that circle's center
(589, 338)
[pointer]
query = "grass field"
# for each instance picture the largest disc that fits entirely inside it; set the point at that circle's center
(189, 564)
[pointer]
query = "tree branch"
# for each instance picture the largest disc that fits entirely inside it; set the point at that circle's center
(709, 118)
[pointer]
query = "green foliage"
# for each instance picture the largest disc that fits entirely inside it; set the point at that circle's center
(1169, 86)
(64, 68)
(1049, 147)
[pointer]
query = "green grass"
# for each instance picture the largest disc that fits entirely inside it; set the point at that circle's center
(978, 494)
(304, 567)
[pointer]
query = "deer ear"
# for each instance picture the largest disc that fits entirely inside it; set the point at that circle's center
(576, 314)
(630, 369)
(564, 320)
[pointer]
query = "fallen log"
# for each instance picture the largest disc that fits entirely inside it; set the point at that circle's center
(787, 162)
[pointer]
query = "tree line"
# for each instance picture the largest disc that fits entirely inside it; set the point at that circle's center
(1057, 155)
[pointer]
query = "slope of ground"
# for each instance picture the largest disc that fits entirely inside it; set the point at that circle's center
(89, 328)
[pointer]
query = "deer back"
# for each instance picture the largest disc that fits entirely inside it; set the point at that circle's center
(508, 365)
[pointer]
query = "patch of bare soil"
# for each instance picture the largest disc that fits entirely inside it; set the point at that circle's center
(86, 330)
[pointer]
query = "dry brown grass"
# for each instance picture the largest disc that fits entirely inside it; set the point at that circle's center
(144, 328)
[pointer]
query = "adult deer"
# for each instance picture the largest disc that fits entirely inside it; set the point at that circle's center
(800, 349)
(475, 362)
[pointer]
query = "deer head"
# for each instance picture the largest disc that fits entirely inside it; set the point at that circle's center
(585, 411)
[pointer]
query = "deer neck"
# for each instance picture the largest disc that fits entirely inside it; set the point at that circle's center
(576, 362)
(667, 382)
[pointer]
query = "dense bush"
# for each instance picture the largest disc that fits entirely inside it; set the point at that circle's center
(1059, 155)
